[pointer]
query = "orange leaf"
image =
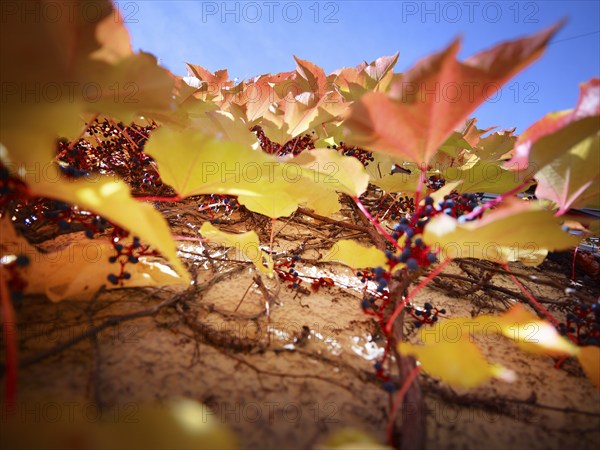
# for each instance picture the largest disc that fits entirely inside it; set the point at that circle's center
(589, 358)
(436, 96)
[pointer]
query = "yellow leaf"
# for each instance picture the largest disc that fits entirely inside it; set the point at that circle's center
(458, 363)
(245, 244)
(335, 171)
(515, 231)
(76, 271)
(589, 358)
(354, 255)
(487, 176)
(111, 199)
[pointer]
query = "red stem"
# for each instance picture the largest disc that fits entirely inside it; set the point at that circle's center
(531, 297)
(573, 265)
(376, 224)
(422, 175)
(10, 342)
(398, 401)
(422, 284)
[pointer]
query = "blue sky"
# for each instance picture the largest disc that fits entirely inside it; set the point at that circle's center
(255, 37)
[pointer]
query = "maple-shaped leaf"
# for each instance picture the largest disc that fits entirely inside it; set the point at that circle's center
(255, 99)
(458, 363)
(311, 78)
(424, 106)
(572, 179)
(391, 175)
(558, 132)
(515, 231)
(214, 87)
(341, 173)
(195, 163)
(375, 76)
(495, 146)
(487, 176)
(56, 72)
(246, 246)
(111, 199)
(306, 99)
(355, 255)
(533, 334)
(78, 269)
(517, 324)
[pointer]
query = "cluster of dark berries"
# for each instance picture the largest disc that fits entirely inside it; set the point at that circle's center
(217, 206)
(435, 182)
(294, 146)
(286, 270)
(66, 216)
(129, 254)
(583, 322)
(364, 156)
(111, 148)
(457, 205)
(393, 207)
(428, 315)
(415, 253)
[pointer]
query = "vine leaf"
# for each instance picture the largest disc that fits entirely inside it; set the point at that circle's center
(411, 123)
(194, 163)
(589, 358)
(515, 231)
(572, 179)
(459, 363)
(77, 270)
(246, 245)
(76, 65)
(341, 173)
(355, 255)
(487, 176)
(557, 132)
(353, 82)
(450, 354)
(111, 199)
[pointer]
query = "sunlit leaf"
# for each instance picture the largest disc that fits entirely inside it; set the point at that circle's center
(459, 363)
(246, 245)
(589, 358)
(572, 179)
(355, 255)
(342, 173)
(558, 132)
(111, 199)
(487, 176)
(411, 122)
(77, 270)
(516, 230)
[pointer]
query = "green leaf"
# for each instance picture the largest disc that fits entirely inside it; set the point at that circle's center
(328, 167)
(486, 176)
